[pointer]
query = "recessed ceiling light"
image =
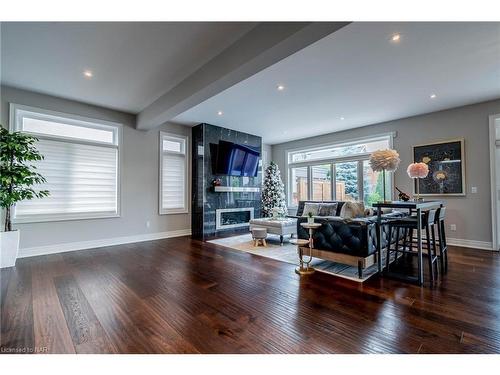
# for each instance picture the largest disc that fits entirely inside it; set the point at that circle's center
(88, 73)
(395, 38)
(280, 87)
(220, 113)
(433, 96)
(342, 118)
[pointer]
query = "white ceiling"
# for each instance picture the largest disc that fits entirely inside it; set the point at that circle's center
(359, 74)
(133, 63)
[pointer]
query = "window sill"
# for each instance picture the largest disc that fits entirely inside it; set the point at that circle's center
(54, 218)
(174, 212)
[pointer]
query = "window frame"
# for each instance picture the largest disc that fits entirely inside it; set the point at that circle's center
(16, 112)
(161, 152)
(15, 124)
(359, 158)
(346, 143)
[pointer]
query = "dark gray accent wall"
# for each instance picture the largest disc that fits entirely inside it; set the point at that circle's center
(205, 200)
(472, 213)
(139, 179)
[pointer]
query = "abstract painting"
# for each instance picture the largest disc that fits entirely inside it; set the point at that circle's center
(446, 163)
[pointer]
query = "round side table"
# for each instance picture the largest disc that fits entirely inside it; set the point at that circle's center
(305, 268)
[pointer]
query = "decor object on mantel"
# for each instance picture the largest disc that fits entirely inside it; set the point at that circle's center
(273, 193)
(402, 195)
(17, 177)
(417, 170)
(446, 162)
(384, 160)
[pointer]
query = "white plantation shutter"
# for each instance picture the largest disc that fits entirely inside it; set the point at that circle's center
(173, 174)
(173, 194)
(80, 179)
(82, 173)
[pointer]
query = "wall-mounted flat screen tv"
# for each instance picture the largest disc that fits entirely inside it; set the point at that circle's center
(234, 160)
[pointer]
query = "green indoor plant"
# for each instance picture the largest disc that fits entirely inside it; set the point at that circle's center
(310, 218)
(17, 177)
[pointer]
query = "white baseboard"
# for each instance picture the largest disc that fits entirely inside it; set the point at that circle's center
(473, 244)
(82, 245)
(483, 245)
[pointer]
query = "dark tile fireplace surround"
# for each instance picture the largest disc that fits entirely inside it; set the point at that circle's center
(236, 201)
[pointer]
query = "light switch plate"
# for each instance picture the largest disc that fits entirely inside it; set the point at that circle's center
(473, 189)
(453, 227)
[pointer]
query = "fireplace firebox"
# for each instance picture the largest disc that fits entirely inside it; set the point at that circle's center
(227, 218)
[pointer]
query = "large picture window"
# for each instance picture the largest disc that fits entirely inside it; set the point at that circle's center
(81, 165)
(321, 182)
(173, 174)
(337, 172)
(299, 185)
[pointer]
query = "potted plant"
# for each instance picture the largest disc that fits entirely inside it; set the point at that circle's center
(17, 177)
(310, 218)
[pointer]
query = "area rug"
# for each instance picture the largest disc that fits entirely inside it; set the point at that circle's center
(288, 254)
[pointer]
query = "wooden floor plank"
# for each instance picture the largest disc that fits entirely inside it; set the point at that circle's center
(180, 295)
(16, 330)
(4, 283)
(85, 329)
(132, 325)
(50, 328)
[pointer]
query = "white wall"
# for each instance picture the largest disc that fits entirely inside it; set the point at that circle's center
(472, 213)
(139, 182)
(266, 155)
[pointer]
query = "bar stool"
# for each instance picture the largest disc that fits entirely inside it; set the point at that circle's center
(406, 226)
(441, 240)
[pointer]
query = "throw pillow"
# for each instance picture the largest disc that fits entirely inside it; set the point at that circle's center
(369, 212)
(327, 209)
(310, 207)
(352, 210)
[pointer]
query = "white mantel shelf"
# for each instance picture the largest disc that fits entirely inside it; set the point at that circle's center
(236, 189)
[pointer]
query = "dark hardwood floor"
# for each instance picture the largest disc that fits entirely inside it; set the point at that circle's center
(185, 296)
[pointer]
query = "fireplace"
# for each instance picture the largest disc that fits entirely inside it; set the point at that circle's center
(233, 201)
(233, 217)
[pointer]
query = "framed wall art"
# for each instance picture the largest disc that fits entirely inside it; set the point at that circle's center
(446, 161)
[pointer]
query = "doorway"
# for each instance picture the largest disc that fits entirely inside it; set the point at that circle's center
(495, 179)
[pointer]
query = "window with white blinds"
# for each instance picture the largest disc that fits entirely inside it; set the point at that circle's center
(173, 174)
(81, 166)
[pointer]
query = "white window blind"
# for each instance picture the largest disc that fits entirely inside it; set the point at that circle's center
(81, 166)
(173, 174)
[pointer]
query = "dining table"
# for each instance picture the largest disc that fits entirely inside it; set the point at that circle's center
(413, 205)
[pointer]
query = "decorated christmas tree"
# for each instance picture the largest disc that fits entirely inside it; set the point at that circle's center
(273, 193)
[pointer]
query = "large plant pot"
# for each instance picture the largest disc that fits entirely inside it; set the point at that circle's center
(9, 247)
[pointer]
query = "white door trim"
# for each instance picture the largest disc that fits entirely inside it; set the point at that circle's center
(493, 180)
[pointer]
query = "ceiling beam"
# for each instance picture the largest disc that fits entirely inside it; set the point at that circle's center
(261, 47)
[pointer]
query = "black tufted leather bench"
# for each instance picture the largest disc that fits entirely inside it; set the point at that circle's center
(347, 241)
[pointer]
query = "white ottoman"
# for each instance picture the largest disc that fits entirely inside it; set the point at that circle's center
(280, 227)
(259, 235)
